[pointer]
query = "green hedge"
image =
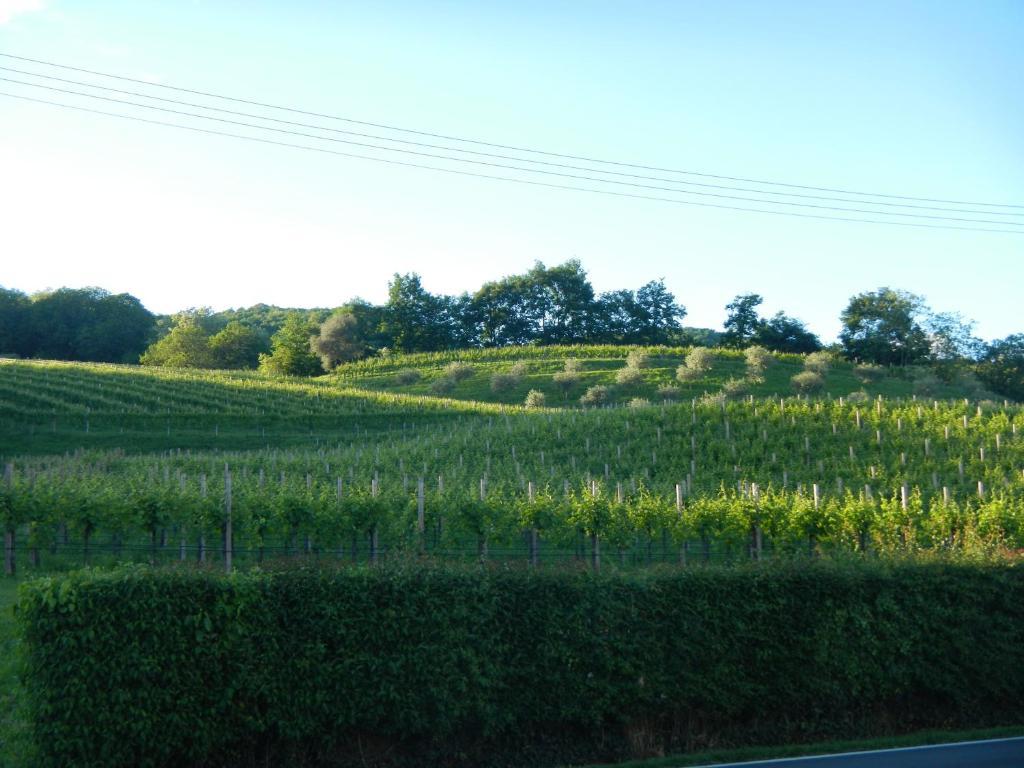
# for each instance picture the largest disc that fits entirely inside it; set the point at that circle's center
(421, 666)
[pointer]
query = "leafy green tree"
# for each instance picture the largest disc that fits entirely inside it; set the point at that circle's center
(416, 320)
(884, 327)
(14, 309)
(338, 340)
(953, 346)
(781, 333)
(237, 346)
(187, 345)
(742, 321)
(1001, 367)
(290, 354)
(88, 324)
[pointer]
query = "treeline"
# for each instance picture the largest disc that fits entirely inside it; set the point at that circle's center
(546, 305)
(74, 324)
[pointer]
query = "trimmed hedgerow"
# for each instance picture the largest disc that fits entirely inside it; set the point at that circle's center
(424, 666)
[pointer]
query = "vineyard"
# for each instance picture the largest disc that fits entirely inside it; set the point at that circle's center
(112, 462)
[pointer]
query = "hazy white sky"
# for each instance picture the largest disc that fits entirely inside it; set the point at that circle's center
(920, 99)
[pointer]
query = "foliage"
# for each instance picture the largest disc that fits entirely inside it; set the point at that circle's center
(187, 345)
(808, 382)
(595, 395)
(758, 359)
(1001, 367)
(305, 667)
(535, 399)
(458, 371)
(237, 346)
(628, 376)
(884, 327)
(338, 340)
(290, 354)
(781, 333)
(818, 362)
(407, 376)
(742, 320)
(869, 373)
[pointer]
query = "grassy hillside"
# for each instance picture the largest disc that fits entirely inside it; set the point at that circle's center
(600, 364)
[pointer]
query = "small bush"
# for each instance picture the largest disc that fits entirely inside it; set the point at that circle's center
(535, 399)
(860, 396)
(700, 359)
(808, 382)
(442, 386)
(458, 371)
(685, 374)
(638, 358)
(572, 365)
(518, 369)
(565, 381)
(628, 376)
(596, 395)
(818, 362)
(639, 402)
(503, 382)
(869, 373)
(758, 359)
(407, 376)
(735, 388)
(668, 392)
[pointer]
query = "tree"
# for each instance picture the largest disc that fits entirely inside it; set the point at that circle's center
(338, 340)
(14, 309)
(782, 333)
(416, 320)
(1001, 367)
(563, 302)
(742, 322)
(953, 346)
(290, 354)
(88, 324)
(884, 327)
(237, 346)
(187, 345)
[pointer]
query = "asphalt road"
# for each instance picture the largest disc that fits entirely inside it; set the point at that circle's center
(991, 753)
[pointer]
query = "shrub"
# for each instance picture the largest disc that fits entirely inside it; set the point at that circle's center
(735, 388)
(685, 374)
(700, 359)
(407, 376)
(565, 381)
(639, 402)
(628, 376)
(758, 359)
(869, 373)
(503, 382)
(442, 386)
(298, 667)
(572, 365)
(518, 369)
(596, 395)
(535, 399)
(808, 382)
(458, 371)
(818, 362)
(668, 391)
(860, 396)
(638, 358)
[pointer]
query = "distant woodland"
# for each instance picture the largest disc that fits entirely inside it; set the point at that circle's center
(546, 305)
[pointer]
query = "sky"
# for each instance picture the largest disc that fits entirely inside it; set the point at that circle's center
(918, 99)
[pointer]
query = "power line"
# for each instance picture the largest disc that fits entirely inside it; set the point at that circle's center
(575, 177)
(474, 152)
(505, 178)
(507, 146)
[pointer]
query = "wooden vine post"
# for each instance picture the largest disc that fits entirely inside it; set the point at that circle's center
(228, 543)
(9, 564)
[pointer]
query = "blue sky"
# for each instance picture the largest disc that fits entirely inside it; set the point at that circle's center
(919, 99)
